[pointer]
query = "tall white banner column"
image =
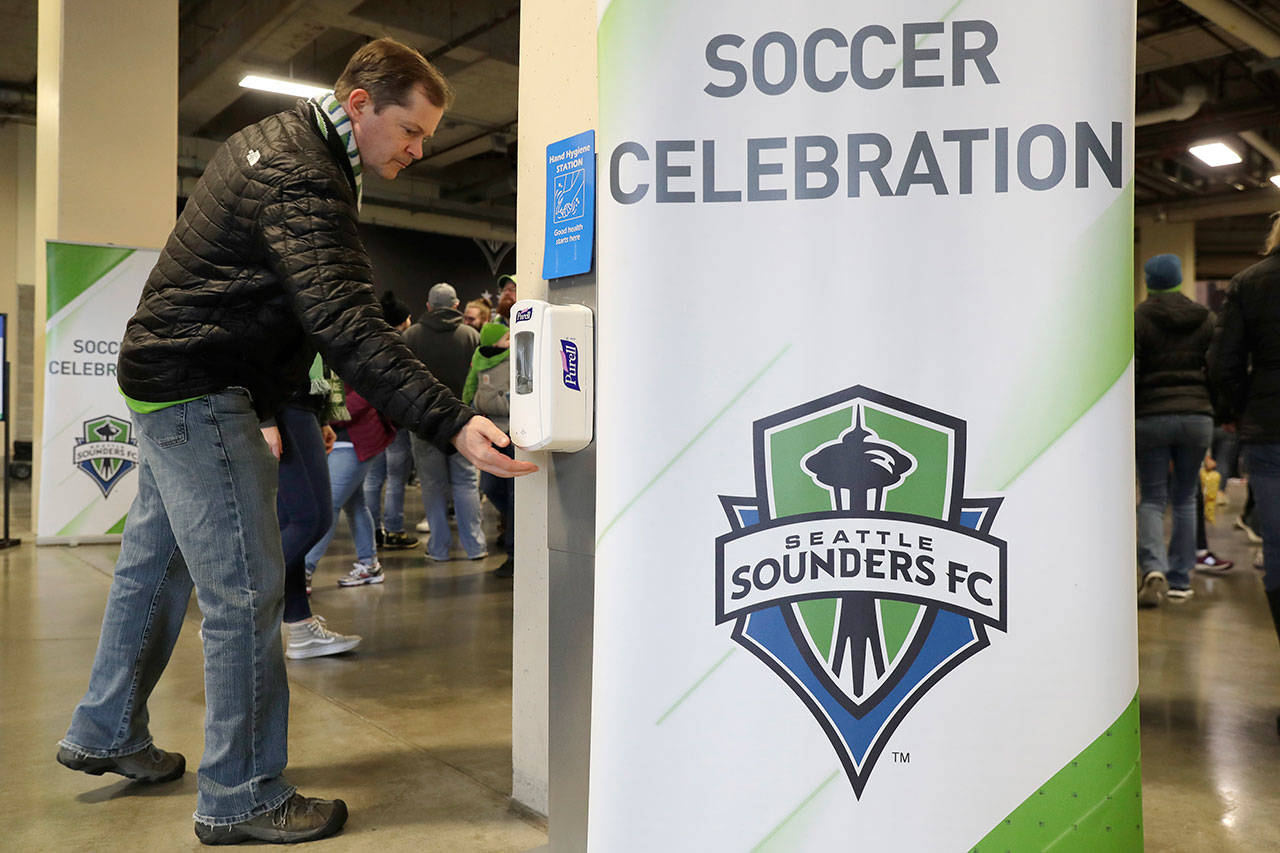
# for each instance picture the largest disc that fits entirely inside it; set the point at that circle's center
(864, 558)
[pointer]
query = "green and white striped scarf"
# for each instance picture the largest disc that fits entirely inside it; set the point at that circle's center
(342, 123)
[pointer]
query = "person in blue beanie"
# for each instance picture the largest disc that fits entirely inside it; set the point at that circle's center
(1174, 426)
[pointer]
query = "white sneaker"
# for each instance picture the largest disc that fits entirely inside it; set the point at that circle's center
(310, 638)
(363, 573)
(422, 526)
(1179, 594)
(1153, 583)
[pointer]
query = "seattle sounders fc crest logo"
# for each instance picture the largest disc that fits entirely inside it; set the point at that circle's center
(859, 572)
(106, 452)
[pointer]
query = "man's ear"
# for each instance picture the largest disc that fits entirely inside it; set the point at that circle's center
(357, 103)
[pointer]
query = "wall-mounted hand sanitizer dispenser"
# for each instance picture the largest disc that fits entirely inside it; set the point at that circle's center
(552, 375)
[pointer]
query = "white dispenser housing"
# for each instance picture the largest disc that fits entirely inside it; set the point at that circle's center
(552, 375)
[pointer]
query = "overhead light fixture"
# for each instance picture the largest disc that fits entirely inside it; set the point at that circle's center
(1275, 179)
(1216, 154)
(282, 86)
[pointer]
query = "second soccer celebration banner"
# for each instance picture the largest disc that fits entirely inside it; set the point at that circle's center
(865, 519)
(88, 464)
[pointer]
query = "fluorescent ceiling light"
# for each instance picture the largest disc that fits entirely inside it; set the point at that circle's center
(283, 87)
(1275, 179)
(1216, 154)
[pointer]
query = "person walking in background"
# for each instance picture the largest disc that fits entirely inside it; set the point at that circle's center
(445, 345)
(488, 390)
(305, 512)
(1246, 377)
(359, 438)
(477, 313)
(392, 466)
(506, 298)
(1174, 426)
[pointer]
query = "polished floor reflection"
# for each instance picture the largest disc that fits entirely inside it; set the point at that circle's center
(413, 730)
(1209, 672)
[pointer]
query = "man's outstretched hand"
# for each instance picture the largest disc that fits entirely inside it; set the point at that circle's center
(476, 440)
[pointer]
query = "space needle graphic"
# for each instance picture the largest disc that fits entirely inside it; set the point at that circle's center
(858, 469)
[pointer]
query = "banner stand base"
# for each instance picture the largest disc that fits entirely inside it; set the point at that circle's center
(9, 543)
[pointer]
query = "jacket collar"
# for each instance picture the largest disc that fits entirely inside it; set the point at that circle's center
(323, 128)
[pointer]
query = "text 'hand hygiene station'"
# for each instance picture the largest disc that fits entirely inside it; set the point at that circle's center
(941, 161)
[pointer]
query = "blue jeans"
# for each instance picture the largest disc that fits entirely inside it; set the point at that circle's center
(1264, 478)
(346, 479)
(304, 505)
(439, 474)
(501, 491)
(204, 516)
(1162, 440)
(391, 466)
(1226, 450)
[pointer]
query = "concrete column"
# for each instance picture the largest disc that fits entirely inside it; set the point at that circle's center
(17, 264)
(1157, 238)
(107, 136)
(10, 215)
(557, 99)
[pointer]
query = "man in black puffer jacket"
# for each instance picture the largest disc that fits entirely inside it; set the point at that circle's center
(264, 268)
(1246, 376)
(1174, 425)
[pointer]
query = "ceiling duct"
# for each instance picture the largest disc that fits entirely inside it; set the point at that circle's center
(1262, 146)
(1240, 23)
(1193, 98)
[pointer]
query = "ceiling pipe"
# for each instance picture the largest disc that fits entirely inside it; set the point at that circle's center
(1210, 207)
(1193, 98)
(1239, 23)
(1262, 146)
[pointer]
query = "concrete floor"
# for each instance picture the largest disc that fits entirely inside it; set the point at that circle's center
(414, 729)
(1209, 672)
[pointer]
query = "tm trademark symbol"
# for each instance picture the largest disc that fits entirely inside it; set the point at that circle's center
(901, 757)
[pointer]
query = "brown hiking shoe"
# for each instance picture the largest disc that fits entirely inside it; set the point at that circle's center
(146, 765)
(297, 819)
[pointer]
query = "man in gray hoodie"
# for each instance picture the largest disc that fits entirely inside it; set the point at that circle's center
(445, 344)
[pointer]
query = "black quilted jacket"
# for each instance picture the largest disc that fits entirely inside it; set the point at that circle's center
(264, 268)
(1245, 360)
(1171, 337)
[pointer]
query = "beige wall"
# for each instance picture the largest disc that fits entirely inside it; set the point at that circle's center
(1157, 238)
(107, 134)
(557, 99)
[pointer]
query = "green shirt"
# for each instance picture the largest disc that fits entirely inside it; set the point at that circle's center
(144, 408)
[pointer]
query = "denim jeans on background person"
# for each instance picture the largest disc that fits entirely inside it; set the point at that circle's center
(1181, 440)
(1264, 478)
(439, 474)
(1226, 451)
(304, 505)
(346, 480)
(501, 491)
(392, 467)
(205, 516)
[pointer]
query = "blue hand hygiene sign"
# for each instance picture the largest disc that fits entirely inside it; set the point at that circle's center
(571, 206)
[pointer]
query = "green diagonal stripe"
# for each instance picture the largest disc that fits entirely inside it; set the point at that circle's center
(73, 269)
(1093, 804)
(1085, 347)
